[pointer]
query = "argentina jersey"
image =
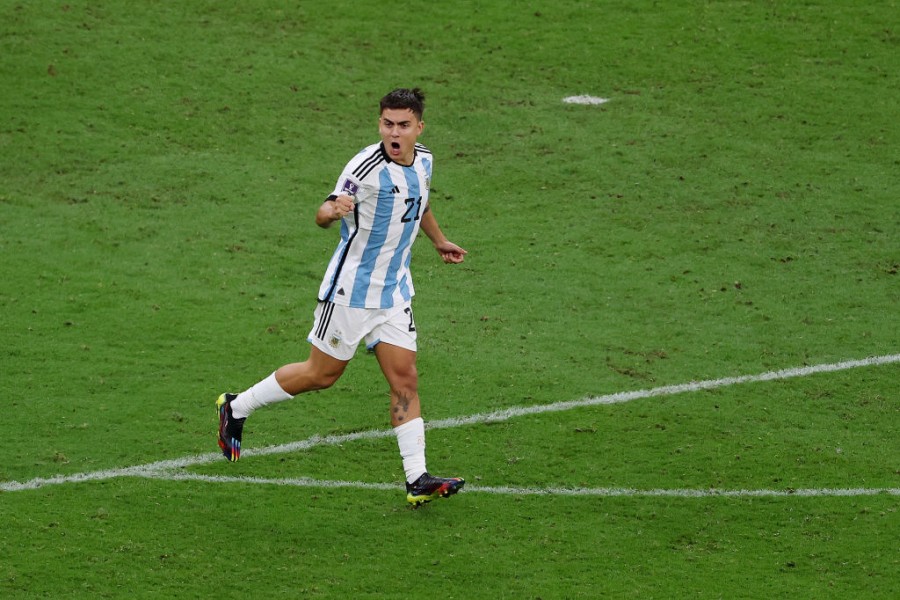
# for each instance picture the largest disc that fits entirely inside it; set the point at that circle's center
(370, 266)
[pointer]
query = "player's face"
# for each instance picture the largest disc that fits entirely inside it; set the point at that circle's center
(399, 130)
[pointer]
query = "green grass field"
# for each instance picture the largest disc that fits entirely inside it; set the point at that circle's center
(732, 210)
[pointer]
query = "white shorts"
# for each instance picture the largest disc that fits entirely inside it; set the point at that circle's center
(338, 330)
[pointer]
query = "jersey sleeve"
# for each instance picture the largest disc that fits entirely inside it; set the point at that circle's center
(350, 182)
(347, 184)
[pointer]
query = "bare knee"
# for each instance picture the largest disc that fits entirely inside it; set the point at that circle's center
(399, 368)
(404, 380)
(324, 379)
(308, 376)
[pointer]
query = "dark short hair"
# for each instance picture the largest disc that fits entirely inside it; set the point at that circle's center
(413, 99)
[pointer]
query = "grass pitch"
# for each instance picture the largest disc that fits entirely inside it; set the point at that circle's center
(730, 211)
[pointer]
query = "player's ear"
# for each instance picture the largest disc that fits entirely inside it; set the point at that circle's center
(421, 127)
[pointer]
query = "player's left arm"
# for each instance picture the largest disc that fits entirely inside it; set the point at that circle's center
(450, 252)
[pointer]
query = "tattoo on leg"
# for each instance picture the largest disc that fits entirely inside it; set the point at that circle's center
(401, 405)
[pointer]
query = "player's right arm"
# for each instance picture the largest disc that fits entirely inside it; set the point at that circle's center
(334, 209)
(450, 252)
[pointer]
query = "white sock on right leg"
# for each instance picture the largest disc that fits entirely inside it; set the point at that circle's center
(267, 391)
(411, 440)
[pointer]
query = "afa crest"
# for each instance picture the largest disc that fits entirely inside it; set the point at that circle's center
(335, 340)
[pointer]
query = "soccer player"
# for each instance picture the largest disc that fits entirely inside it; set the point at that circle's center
(381, 202)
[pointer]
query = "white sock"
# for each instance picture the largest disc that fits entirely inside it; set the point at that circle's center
(411, 440)
(265, 392)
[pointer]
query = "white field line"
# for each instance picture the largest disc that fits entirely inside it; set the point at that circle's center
(168, 468)
(585, 99)
(306, 482)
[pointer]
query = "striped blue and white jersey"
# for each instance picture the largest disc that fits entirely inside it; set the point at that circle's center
(370, 267)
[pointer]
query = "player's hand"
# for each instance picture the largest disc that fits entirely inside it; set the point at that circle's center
(341, 207)
(450, 252)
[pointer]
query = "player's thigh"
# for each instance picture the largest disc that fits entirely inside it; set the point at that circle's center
(395, 347)
(326, 367)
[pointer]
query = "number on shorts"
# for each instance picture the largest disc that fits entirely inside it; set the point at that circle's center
(412, 325)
